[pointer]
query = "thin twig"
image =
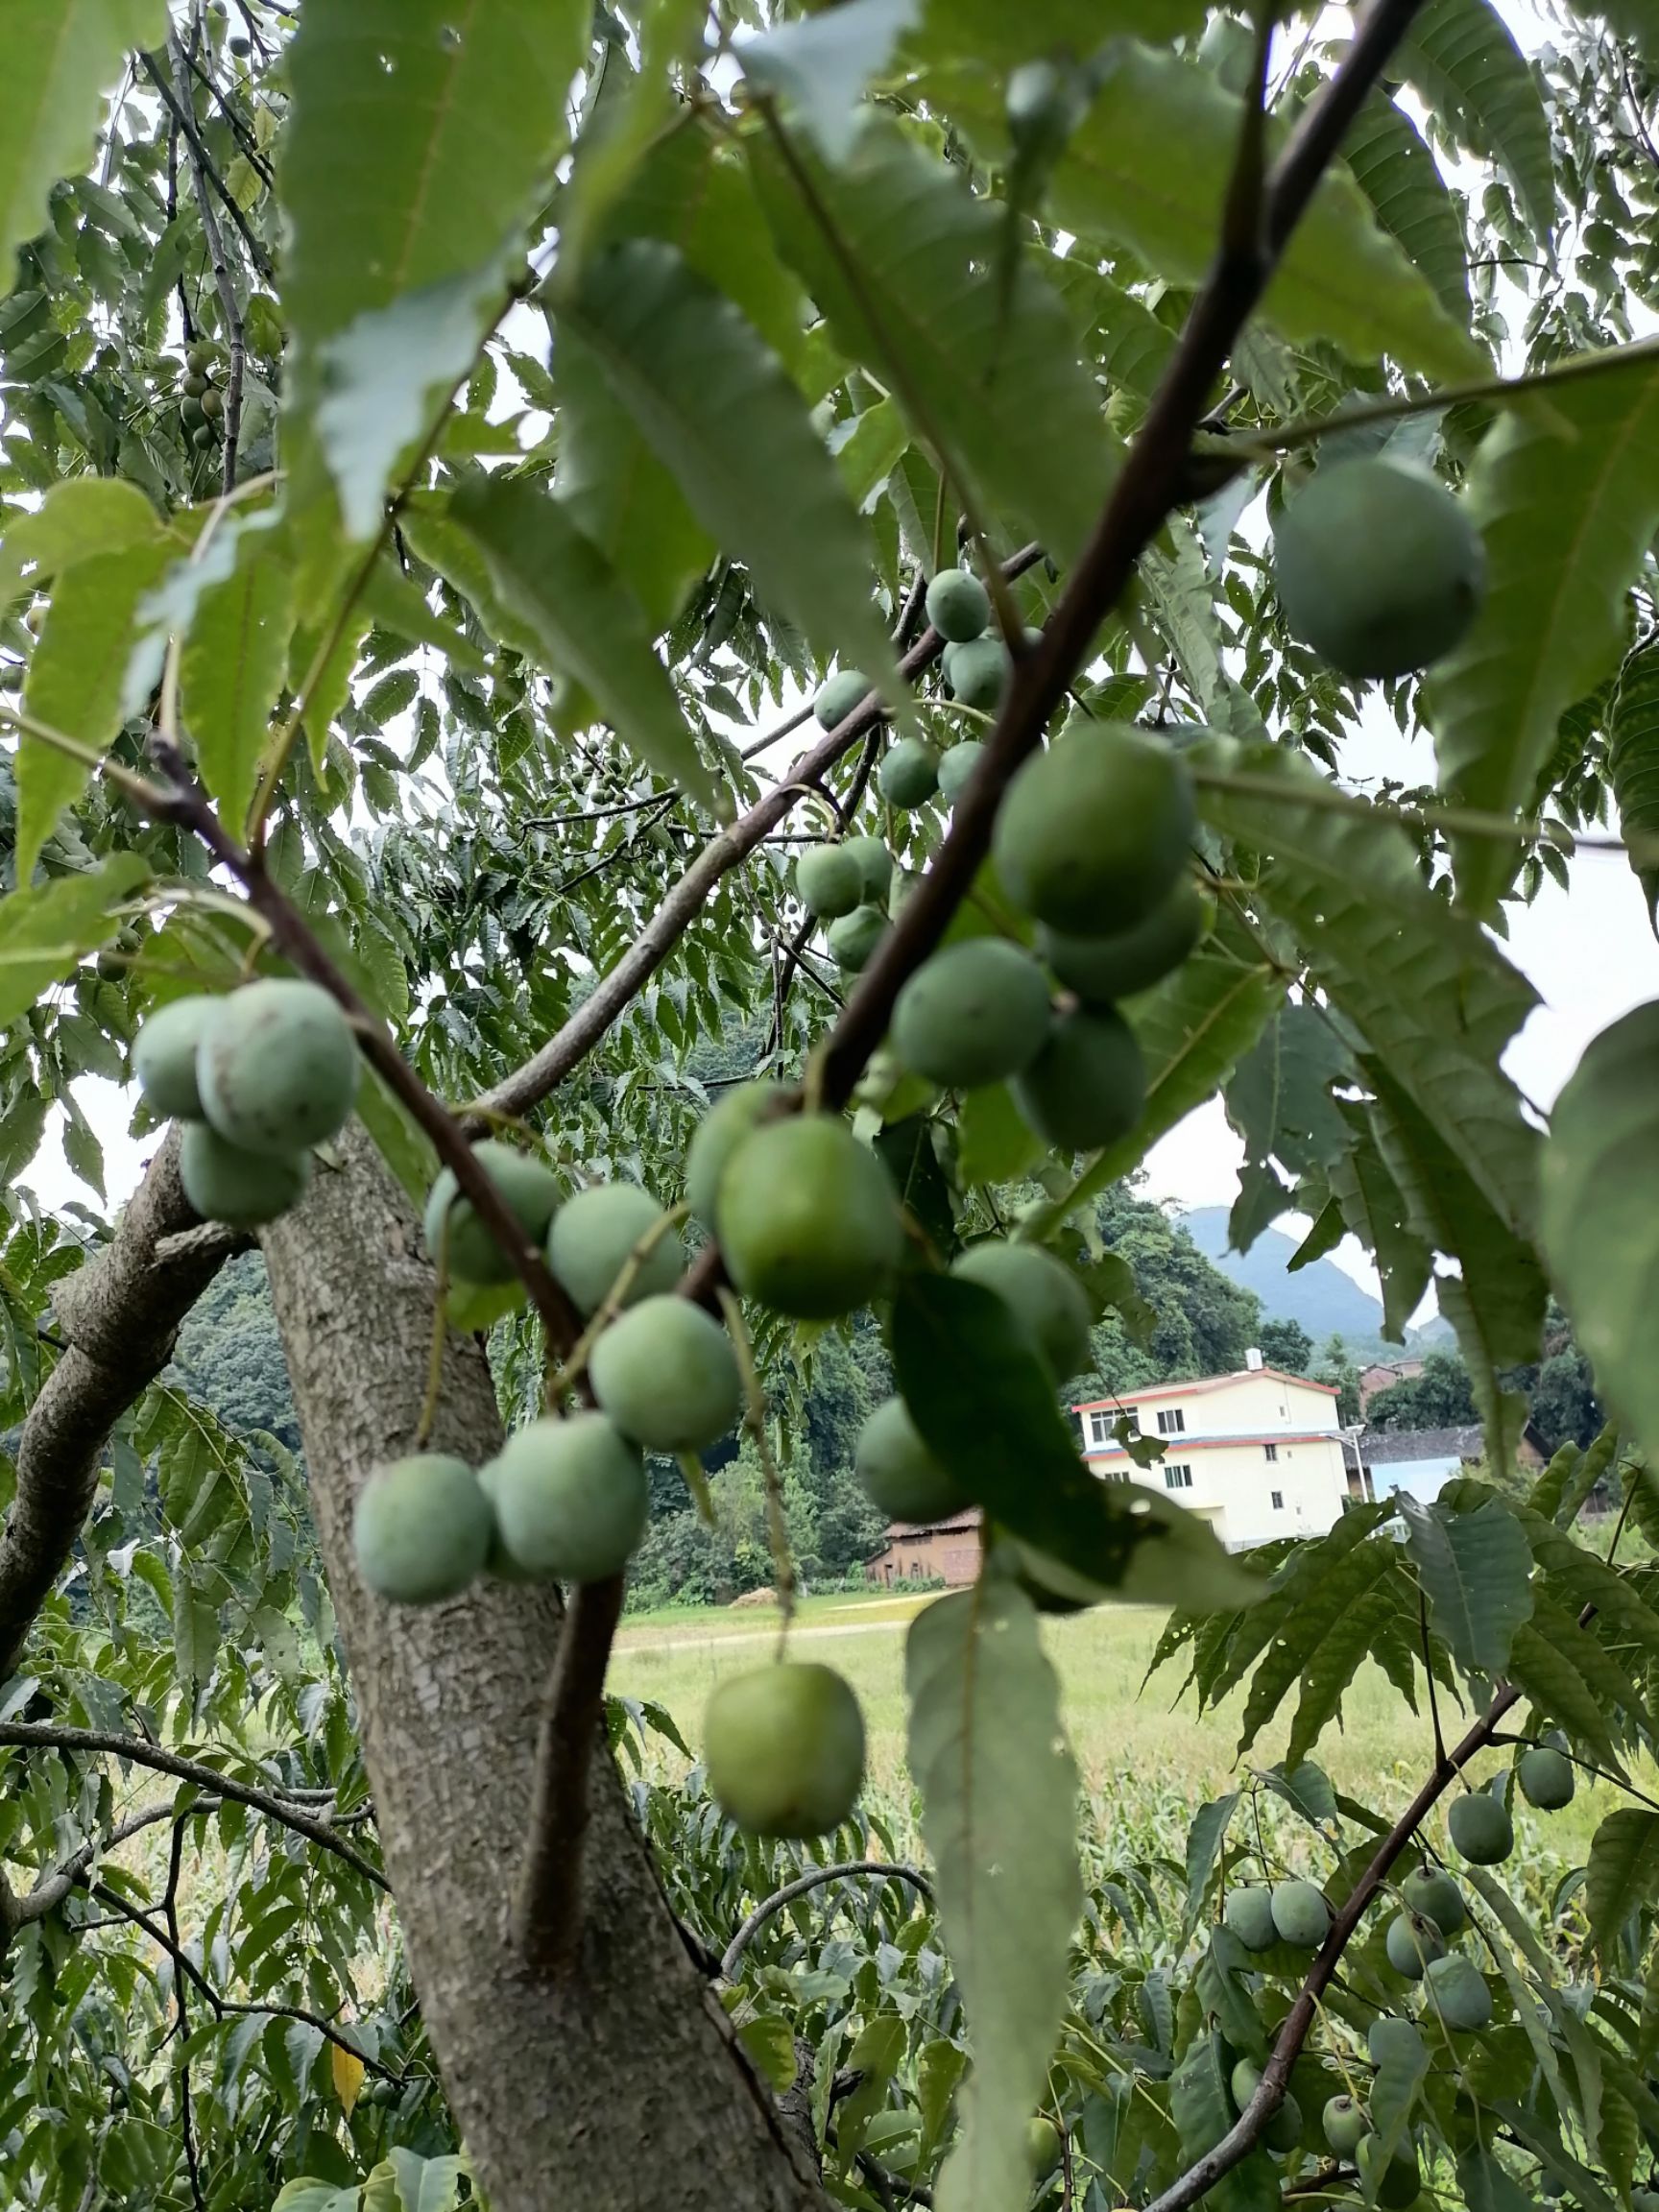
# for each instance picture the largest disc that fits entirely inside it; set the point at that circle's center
(813, 1879)
(772, 1481)
(1429, 1670)
(183, 116)
(222, 284)
(170, 1914)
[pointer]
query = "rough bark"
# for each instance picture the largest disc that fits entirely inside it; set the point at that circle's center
(618, 2085)
(119, 1315)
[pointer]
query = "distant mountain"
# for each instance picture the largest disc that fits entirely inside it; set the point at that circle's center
(1326, 1301)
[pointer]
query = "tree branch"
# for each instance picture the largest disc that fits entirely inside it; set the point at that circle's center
(813, 1879)
(226, 291)
(183, 115)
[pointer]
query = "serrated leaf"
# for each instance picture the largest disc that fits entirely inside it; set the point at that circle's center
(232, 669)
(819, 64)
(1202, 2109)
(587, 621)
(1204, 1840)
(1330, 1673)
(1581, 475)
(718, 410)
(987, 369)
(985, 1403)
(1461, 55)
(1600, 1217)
(1302, 1627)
(395, 605)
(62, 57)
(1395, 2088)
(999, 1817)
(1623, 1873)
(85, 516)
(1548, 1672)
(1401, 179)
(1116, 330)
(1476, 1570)
(1486, 2187)
(1279, 1098)
(1633, 763)
(347, 2071)
(1372, 1206)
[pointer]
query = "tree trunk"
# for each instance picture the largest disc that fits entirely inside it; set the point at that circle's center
(619, 2086)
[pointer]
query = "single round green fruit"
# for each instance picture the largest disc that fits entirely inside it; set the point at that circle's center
(959, 606)
(195, 384)
(875, 867)
(213, 404)
(1394, 2182)
(1041, 2145)
(199, 357)
(1087, 1087)
(1457, 1992)
(191, 412)
(783, 1746)
(570, 1499)
(909, 773)
(975, 1013)
(164, 1054)
(223, 1182)
(1481, 1829)
(901, 1475)
(808, 1218)
(1378, 568)
(854, 939)
(1411, 1943)
(529, 1191)
(240, 45)
(1346, 2123)
(1102, 969)
(1546, 1779)
(421, 1530)
(279, 1066)
(977, 673)
(830, 882)
(203, 437)
(1391, 2041)
(1300, 1914)
(595, 1233)
(837, 698)
(1044, 1297)
(956, 765)
(721, 1130)
(1244, 2082)
(1249, 1913)
(668, 1376)
(1092, 834)
(1433, 1893)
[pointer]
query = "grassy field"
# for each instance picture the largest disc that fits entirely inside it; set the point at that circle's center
(1128, 1741)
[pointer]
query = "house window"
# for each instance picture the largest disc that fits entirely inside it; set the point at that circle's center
(1278, 1501)
(1271, 1450)
(1177, 1477)
(1100, 1429)
(1172, 1423)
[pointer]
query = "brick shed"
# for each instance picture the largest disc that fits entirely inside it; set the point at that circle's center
(914, 1549)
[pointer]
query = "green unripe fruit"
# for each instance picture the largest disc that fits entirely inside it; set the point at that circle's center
(875, 867)
(197, 358)
(909, 773)
(1457, 1992)
(837, 698)
(529, 1191)
(1546, 1779)
(854, 939)
(1395, 2042)
(1244, 2082)
(1378, 568)
(241, 1188)
(1300, 1914)
(808, 1218)
(668, 1376)
(959, 606)
(1092, 836)
(35, 618)
(785, 1749)
(830, 880)
(164, 1055)
(191, 412)
(721, 1130)
(901, 1475)
(1087, 1087)
(1641, 2200)
(213, 404)
(1411, 1943)
(1044, 1297)
(1481, 1829)
(203, 437)
(195, 385)
(570, 1499)
(279, 1066)
(240, 45)
(1041, 2145)
(1435, 1896)
(1102, 969)
(977, 1011)
(956, 765)
(1284, 2130)
(1346, 2124)
(1249, 1913)
(1395, 2181)
(977, 673)
(421, 1530)
(592, 1236)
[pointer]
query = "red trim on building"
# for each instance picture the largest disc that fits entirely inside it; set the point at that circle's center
(1176, 1447)
(1210, 1382)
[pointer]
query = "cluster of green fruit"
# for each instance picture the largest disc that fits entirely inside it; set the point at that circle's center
(258, 1078)
(202, 408)
(1092, 840)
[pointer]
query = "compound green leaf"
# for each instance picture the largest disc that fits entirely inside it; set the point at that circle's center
(232, 669)
(45, 934)
(997, 37)
(1371, 1204)
(1623, 1873)
(1117, 331)
(1204, 1840)
(1486, 2187)
(1330, 1673)
(956, 323)
(1578, 477)
(717, 407)
(1202, 2109)
(85, 516)
(1549, 1674)
(1461, 55)
(1633, 759)
(1401, 179)
(588, 623)
(1476, 1570)
(1395, 2088)
(999, 1817)
(1350, 1574)
(820, 64)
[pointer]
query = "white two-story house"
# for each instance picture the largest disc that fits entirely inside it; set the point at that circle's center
(1258, 1454)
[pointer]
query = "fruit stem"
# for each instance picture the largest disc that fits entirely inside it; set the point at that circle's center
(611, 1304)
(755, 1421)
